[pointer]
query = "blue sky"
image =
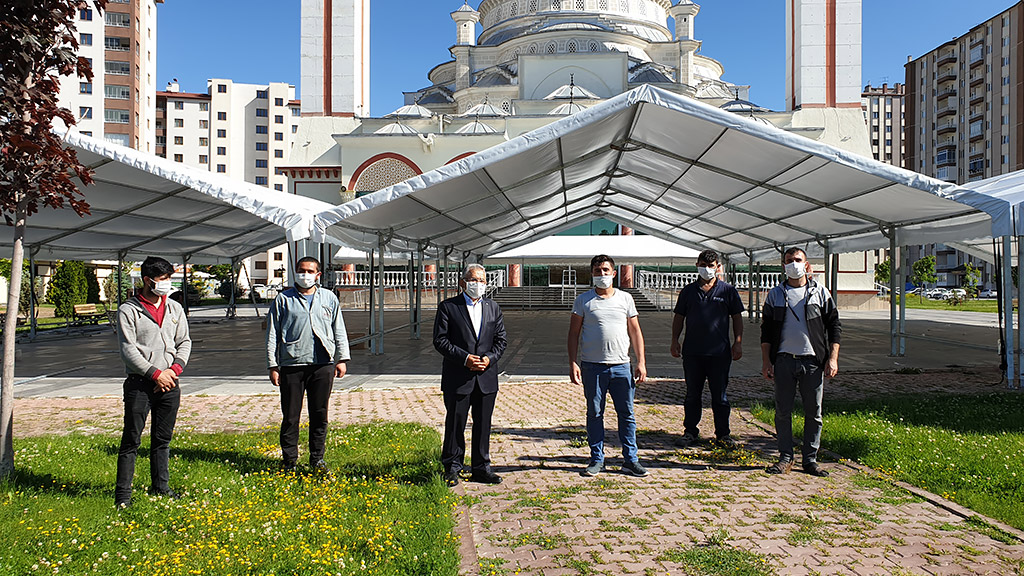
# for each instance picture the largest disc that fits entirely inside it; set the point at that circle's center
(257, 41)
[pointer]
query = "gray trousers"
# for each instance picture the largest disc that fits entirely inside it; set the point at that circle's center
(804, 373)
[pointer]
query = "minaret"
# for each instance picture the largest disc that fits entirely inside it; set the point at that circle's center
(335, 58)
(823, 54)
(684, 14)
(465, 36)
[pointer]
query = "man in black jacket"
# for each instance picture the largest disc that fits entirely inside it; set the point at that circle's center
(800, 333)
(469, 332)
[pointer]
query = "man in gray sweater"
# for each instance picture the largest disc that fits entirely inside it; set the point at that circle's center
(152, 333)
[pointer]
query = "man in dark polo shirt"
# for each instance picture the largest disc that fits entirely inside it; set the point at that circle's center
(705, 307)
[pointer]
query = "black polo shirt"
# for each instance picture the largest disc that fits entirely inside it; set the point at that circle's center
(708, 318)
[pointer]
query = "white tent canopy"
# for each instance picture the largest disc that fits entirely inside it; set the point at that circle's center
(144, 205)
(623, 249)
(673, 168)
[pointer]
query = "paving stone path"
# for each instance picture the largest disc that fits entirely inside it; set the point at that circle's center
(546, 519)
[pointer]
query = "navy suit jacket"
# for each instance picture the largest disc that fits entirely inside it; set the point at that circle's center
(455, 339)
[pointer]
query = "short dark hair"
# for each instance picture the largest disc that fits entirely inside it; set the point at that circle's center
(309, 259)
(155, 267)
(793, 251)
(601, 259)
(708, 257)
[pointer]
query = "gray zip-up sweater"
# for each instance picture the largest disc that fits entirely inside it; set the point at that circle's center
(145, 346)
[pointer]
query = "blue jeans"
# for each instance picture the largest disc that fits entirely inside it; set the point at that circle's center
(599, 380)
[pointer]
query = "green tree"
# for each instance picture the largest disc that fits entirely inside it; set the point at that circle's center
(882, 271)
(68, 287)
(38, 45)
(24, 300)
(92, 287)
(110, 285)
(971, 277)
(923, 272)
(219, 271)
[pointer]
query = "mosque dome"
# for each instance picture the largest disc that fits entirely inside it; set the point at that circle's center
(396, 128)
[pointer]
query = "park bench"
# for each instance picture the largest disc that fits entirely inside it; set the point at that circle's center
(88, 313)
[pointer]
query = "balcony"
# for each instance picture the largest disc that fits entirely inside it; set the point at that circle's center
(976, 116)
(944, 142)
(977, 98)
(946, 75)
(945, 58)
(946, 128)
(945, 111)
(977, 79)
(977, 61)
(948, 92)
(977, 136)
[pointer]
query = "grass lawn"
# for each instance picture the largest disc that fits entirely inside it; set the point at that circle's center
(384, 511)
(979, 305)
(968, 449)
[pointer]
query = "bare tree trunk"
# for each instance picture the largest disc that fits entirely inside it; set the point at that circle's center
(10, 328)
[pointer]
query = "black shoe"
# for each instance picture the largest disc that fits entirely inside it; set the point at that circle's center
(122, 504)
(451, 478)
(320, 467)
(288, 466)
(485, 477)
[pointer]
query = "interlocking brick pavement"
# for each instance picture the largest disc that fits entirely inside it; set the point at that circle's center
(546, 519)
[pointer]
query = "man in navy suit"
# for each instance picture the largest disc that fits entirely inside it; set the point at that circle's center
(470, 333)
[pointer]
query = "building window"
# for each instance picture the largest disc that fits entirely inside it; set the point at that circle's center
(295, 129)
(85, 39)
(222, 168)
(222, 88)
(117, 19)
(161, 140)
(117, 68)
(261, 180)
(85, 14)
(85, 87)
(261, 146)
(278, 101)
(260, 265)
(203, 141)
(278, 153)
(222, 115)
(261, 163)
(279, 187)
(261, 129)
(278, 119)
(204, 159)
(117, 44)
(204, 106)
(278, 256)
(179, 105)
(179, 158)
(221, 150)
(261, 113)
(296, 112)
(222, 133)
(261, 94)
(116, 116)
(204, 124)
(179, 140)
(179, 122)
(85, 112)
(279, 136)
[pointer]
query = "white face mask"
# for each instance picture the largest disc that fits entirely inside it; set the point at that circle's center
(707, 272)
(603, 282)
(796, 270)
(162, 287)
(476, 290)
(305, 280)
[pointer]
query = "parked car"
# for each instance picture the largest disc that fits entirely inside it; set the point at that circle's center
(958, 292)
(988, 293)
(936, 294)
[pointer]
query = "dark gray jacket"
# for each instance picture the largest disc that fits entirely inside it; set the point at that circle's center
(822, 320)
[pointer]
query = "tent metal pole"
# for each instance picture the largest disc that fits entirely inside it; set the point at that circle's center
(184, 283)
(120, 280)
(894, 349)
(828, 264)
(904, 273)
(419, 294)
(412, 286)
(834, 284)
(380, 297)
(750, 287)
(1006, 291)
(231, 311)
(757, 291)
(32, 295)
(1020, 312)
(370, 288)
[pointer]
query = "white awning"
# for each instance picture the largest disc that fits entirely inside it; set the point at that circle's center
(671, 167)
(144, 205)
(580, 249)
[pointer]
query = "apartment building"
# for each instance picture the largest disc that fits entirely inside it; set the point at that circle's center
(884, 111)
(965, 116)
(119, 104)
(243, 131)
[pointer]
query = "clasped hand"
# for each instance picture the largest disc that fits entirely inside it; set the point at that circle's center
(477, 363)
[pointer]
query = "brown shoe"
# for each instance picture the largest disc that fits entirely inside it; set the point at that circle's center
(783, 466)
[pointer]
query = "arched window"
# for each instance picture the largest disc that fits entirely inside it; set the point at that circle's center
(514, 9)
(643, 7)
(551, 48)
(506, 105)
(581, 5)
(571, 47)
(556, 4)
(624, 6)
(594, 47)
(532, 6)
(602, 5)
(533, 49)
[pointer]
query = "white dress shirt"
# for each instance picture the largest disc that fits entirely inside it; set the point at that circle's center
(476, 310)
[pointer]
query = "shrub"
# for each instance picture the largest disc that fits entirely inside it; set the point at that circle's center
(110, 285)
(92, 284)
(67, 287)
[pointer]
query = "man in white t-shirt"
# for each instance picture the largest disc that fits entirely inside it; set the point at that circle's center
(603, 325)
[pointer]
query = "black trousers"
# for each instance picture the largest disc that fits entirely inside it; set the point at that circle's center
(715, 371)
(316, 381)
(139, 401)
(453, 451)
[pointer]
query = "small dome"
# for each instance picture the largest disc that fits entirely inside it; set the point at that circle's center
(396, 128)
(742, 106)
(567, 109)
(476, 127)
(411, 111)
(571, 91)
(484, 109)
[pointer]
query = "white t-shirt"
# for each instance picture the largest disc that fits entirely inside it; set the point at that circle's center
(604, 339)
